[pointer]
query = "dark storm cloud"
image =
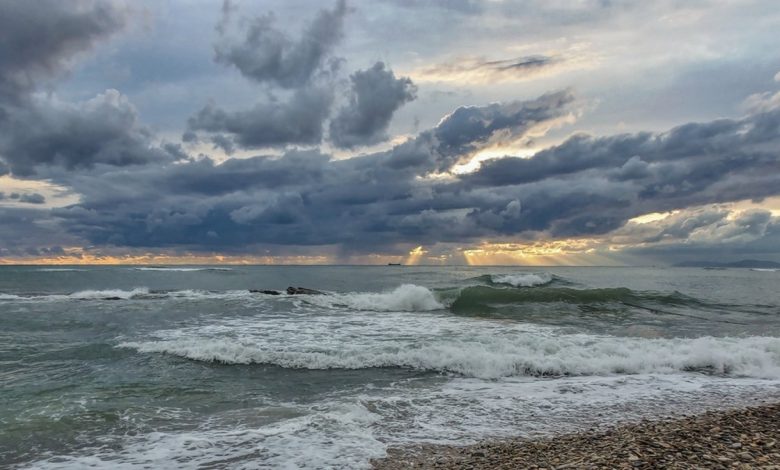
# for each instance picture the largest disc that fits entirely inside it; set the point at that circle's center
(104, 130)
(32, 198)
(702, 146)
(296, 121)
(708, 234)
(376, 94)
(303, 198)
(40, 135)
(27, 227)
(224, 142)
(267, 54)
(593, 185)
(38, 39)
(469, 127)
(585, 186)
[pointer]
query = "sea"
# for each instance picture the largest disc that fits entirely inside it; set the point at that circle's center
(127, 367)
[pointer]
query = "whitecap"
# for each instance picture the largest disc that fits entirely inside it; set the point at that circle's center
(405, 298)
(522, 279)
(490, 357)
(110, 293)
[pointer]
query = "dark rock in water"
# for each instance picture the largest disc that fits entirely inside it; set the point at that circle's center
(290, 291)
(112, 298)
(302, 291)
(261, 291)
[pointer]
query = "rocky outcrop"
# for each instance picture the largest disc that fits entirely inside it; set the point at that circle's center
(290, 291)
(263, 291)
(303, 291)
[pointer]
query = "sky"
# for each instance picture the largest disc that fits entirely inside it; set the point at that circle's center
(480, 132)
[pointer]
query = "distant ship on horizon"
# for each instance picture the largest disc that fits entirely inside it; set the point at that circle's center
(394, 264)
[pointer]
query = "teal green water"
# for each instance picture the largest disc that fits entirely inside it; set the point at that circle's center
(126, 367)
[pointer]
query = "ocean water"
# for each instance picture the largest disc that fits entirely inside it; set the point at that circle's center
(183, 367)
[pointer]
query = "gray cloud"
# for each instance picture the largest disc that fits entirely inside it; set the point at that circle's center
(302, 198)
(41, 135)
(102, 131)
(375, 96)
(38, 39)
(297, 121)
(711, 233)
(382, 201)
(32, 198)
(267, 54)
(593, 185)
(469, 127)
(461, 6)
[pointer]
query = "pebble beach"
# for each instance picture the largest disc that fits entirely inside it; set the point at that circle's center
(743, 438)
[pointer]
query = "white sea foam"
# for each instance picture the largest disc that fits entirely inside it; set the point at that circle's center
(522, 279)
(333, 435)
(405, 298)
(110, 293)
(10, 297)
(59, 270)
(484, 393)
(764, 270)
(136, 294)
(346, 432)
(483, 356)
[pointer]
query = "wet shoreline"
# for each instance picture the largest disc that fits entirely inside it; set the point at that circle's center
(736, 438)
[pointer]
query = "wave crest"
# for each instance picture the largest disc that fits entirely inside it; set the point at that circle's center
(489, 358)
(522, 279)
(109, 294)
(405, 298)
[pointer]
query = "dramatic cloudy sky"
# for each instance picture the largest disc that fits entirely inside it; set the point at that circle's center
(420, 131)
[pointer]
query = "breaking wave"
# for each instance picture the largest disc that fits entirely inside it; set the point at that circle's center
(522, 279)
(480, 298)
(529, 354)
(109, 294)
(405, 298)
(59, 270)
(139, 293)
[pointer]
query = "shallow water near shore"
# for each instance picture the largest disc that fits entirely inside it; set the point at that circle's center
(183, 367)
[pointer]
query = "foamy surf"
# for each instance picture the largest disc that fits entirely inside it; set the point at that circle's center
(489, 357)
(59, 270)
(211, 375)
(109, 294)
(106, 294)
(139, 293)
(522, 279)
(405, 298)
(335, 435)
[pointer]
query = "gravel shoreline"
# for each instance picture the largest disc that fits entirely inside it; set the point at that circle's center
(743, 438)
